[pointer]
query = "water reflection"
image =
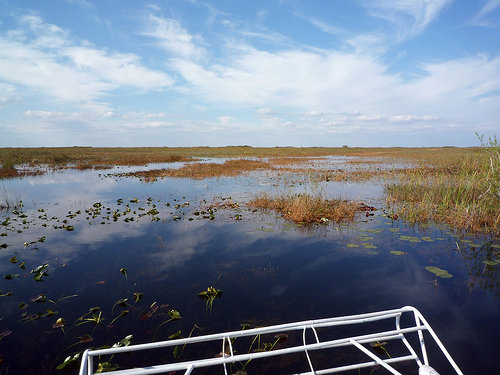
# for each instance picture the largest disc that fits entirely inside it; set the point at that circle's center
(270, 271)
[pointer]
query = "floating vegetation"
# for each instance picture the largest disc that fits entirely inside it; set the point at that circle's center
(123, 271)
(209, 296)
(40, 272)
(397, 252)
(410, 238)
(45, 251)
(439, 272)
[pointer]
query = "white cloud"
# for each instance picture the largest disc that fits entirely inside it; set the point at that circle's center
(117, 68)
(313, 113)
(49, 62)
(8, 94)
(225, 120)
(369, 118)
(411, 17)
(340, 82)
(172, 37)
(331, 81)
(263, 113)
(406, 118)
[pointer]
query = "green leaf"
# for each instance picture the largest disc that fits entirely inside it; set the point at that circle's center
(396, 252)
(123, 342)
(69, 360)
(138, 296)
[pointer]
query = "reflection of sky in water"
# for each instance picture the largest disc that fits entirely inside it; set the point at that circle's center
(269, 271)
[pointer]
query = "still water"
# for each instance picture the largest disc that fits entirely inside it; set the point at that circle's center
(88, 239)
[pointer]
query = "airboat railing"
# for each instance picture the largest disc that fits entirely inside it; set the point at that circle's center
(419, 326)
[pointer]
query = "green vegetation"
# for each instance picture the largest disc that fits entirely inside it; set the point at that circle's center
(463, 193)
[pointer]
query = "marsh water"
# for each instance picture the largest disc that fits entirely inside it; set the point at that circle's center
(85, 239)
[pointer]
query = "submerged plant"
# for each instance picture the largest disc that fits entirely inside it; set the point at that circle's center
(209, 296)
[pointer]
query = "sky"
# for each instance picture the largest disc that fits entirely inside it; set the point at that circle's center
(260, 73)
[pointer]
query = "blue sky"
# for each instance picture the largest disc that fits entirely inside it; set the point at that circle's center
(260, 73)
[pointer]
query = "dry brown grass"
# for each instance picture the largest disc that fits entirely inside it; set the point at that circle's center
(8, 172)
(206, 170)
(305, 208)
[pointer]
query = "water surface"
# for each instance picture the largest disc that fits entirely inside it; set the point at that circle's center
(175, 239)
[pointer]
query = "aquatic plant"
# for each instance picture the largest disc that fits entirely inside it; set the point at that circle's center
(209, 296)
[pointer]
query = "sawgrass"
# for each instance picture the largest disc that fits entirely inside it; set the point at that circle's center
(307, 208)
(464, 194)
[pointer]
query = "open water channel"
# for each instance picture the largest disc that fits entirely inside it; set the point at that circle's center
(91, 257)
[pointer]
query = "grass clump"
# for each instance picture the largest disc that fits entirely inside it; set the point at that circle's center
(8, 169)
(465, 195)
(206, 170)
(307, 208)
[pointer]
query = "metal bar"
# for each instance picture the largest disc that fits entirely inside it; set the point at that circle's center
(357, 341)
(305, 350)
(373, 356)
(357, 366)
(353, 319)
(437, 340)
(84, 365)
(244, 357)
(405, 341)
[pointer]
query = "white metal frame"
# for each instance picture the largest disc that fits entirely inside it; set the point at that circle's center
(420, 325)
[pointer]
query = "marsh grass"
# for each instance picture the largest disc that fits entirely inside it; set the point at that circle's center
(206, 170)
(307, 208)
(463, 194)
(80, 158)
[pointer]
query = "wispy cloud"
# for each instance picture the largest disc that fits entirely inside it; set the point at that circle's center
(322, 25)
(480, 18)
(173, 38)
(410, 17)
(338, 82)
(8, 94)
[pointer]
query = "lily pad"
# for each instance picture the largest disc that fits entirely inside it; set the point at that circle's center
(352, 245)
(439, 272)
(397, 252)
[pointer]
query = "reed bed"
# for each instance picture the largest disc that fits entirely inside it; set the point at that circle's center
(307, 208)
(206, 170)
(465, 195)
